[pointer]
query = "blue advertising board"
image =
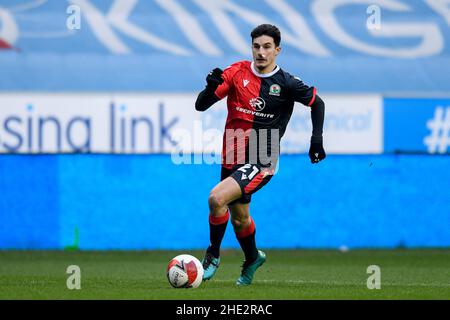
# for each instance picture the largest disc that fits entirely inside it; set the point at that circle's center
(417, 125)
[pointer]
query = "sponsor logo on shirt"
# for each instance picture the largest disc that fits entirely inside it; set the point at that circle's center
(257, 104)
(255, 113)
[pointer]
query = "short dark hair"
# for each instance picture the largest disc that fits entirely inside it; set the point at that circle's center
(267, 30)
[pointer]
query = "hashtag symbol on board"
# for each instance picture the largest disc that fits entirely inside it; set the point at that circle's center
(439, 127)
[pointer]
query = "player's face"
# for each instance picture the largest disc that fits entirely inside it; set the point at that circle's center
(264, 53)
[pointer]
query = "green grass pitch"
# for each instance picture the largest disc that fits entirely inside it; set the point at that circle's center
(287, 274)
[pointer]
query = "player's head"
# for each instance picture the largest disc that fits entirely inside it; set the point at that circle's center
(266, 40)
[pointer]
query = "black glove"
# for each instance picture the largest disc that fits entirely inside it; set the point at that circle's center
(214, 78)
(316, 152)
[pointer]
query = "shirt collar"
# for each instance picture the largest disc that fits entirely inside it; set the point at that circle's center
(263, 75)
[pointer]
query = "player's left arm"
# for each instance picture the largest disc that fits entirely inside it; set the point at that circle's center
(308, 96)
(316, 150)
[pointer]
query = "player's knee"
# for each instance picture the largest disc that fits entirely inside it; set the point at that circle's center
(239, 222)
(215, 201)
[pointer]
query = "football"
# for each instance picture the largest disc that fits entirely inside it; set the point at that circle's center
(185, 271)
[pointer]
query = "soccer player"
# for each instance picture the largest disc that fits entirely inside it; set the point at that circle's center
(260, 102)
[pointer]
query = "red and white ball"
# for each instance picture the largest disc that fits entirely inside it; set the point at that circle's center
(185, 271)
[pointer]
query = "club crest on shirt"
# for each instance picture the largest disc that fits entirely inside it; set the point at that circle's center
(275, 90)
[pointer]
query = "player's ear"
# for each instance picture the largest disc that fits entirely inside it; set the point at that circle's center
(277, 50)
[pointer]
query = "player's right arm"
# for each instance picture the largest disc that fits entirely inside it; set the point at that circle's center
(208, 96)
(218, 85)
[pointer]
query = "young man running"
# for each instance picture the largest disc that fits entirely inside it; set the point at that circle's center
(260, 102)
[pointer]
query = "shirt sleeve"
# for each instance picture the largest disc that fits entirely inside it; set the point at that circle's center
(227, 75)
(301, 92)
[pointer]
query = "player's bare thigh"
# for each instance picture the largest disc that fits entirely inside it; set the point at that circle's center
(222, 194)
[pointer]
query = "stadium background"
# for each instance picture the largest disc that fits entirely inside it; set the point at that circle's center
(75, 172)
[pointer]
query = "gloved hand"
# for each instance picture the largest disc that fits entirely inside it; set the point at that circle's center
(214, 78)
(316, 152)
